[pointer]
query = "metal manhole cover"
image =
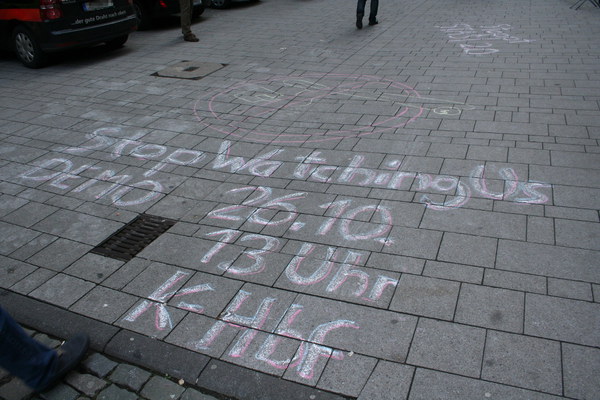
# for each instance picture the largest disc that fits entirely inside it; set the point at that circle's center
(133, 237)
(189, 70)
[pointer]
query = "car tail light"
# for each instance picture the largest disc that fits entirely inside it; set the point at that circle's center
(50, 9)
(162, 4)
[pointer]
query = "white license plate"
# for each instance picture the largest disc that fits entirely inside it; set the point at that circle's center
(97, 5)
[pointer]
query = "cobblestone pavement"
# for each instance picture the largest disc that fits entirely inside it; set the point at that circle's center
(102, 378)
(407, 211)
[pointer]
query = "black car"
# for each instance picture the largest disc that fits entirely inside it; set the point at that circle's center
(35, 28)
(148, 11)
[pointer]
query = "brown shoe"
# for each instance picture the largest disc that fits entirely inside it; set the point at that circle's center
(190, 37)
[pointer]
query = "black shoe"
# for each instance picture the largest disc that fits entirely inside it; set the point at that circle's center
(70, 355)
(190, 37)
(373, 22)
(359, 22)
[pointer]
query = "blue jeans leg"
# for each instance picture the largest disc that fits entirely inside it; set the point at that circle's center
(23, 356)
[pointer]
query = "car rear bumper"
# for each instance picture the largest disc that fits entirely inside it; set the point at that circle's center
(55, 40)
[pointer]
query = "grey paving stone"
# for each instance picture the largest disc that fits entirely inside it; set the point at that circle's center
(59, 254)
(567, 176)
(474, 222)
(272, 354)
(15, 237)
(430, 384)
(570, 289)
(9, 204)
(576, 160)
(191, 394)
(77, 226)
(522, 361)
(85, 383)
(113, 392)
(180, 250)
(61, 392)
(581, 366)
(420, 243)
(453, 272)
(12, 271)
(490, 308)
(348, 376)
(160, 388)
(347, 281)
(486, 153)
(395, 263)
(94, 267)
(15, 389)
(540, 230)
(562, 319)
(363, 330)
(104, 304)
(429, 297)
(129, 376)
(515, 281)
(33, 247)
(447, 346)
(125, 274)
(512, 128)
(62, 290)
(545, 260)
(206, 294)
(577, 234)
(156, 355)
(99, 365)
(29, 214)
(467, 249)
(389, 381)
(191, 331)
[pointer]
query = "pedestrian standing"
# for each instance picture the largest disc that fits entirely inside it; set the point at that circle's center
(37, 365)
(360, 12)
(186, 7)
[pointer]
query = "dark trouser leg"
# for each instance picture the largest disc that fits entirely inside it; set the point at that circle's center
(23, 356)
(374, 7)
(186, 16)
(360, 8)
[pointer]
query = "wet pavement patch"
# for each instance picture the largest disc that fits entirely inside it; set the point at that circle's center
(133, 237)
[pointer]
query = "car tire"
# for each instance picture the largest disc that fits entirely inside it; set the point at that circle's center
(27, 48)
(143, 15)
(117, 43)
(197, 11)
(220, 4)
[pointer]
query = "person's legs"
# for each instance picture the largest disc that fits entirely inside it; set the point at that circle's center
(360, 12)
(373, 14)
(186, 20)
(23, 356)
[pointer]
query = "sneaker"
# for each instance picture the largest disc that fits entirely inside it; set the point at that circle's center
(70, 355)
(190, 37)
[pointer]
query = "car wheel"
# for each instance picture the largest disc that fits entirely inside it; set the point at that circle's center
(27, 48)
(144, 19)
(117, 42)
(220, 3)
(197, 11)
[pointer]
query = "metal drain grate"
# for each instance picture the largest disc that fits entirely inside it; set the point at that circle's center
(133, 237)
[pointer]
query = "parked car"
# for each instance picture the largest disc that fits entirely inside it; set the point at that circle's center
(35, 28)
(148, 11)
(220, 4)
